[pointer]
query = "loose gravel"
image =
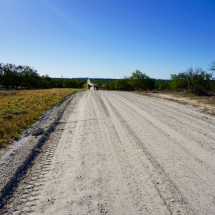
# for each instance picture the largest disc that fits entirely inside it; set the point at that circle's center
(14, 161)
(122, 153)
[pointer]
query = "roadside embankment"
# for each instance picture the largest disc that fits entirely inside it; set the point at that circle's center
(20, 109)
(205, 104)
(14, 160)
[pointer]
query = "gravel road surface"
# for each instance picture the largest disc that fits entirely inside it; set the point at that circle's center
(122, 153)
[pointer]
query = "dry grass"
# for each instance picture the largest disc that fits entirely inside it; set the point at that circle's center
(19, 109)
(210, 99)
(206, 102)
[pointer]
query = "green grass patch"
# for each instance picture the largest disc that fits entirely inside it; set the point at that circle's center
(20, 109)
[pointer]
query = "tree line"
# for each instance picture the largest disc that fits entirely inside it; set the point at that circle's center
(100, 82)
(25, 77)
(193, 80)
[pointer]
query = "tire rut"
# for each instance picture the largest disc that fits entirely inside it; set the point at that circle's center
(121, 153)
(168, 191)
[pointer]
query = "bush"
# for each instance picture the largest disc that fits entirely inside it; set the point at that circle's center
(138, 81)
(162, 85)
(196, 81)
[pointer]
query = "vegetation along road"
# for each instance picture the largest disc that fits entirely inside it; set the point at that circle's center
(122, 153)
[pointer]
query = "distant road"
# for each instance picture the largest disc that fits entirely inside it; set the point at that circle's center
(123, 153)
(91, 84)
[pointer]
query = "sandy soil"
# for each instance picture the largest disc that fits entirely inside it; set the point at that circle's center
(186, 100)
(122, 153)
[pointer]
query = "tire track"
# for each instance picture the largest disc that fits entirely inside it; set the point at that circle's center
(121, 153)
(201, 175)
(167, 190)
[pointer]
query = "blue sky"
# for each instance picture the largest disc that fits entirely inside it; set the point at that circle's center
(108, 38)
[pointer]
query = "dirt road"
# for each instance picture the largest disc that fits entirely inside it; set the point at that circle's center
(91, 84)
(123, 153)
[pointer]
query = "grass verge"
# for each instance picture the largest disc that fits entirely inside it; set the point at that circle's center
(19, 109)
(205, 102)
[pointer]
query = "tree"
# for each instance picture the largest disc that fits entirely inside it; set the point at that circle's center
(196, 81)
(141, 81)
(70, 83)
(27, 77)
(212, 66)
(123, 84)
(1, 73)
(8, 75)
(162, 85)
(110, 85)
